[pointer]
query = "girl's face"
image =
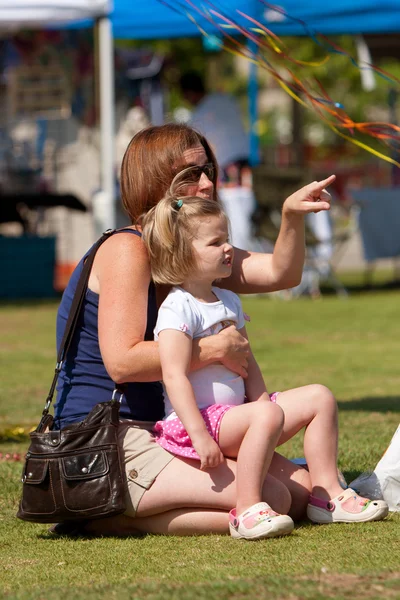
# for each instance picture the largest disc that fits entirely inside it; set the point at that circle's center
(214, 253)
(200, 185)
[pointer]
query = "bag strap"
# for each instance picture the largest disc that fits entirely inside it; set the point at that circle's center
(72, 320)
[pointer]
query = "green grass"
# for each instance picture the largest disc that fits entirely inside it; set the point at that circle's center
(351, 345)
(27, 361)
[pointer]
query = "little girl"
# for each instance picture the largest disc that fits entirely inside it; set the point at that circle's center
(206, 416)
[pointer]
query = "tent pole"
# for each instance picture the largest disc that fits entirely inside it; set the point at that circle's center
(252, 93)
(104, 206)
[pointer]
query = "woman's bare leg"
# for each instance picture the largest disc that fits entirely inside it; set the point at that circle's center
(297, 481)
(221, 491)
(183, 485)
(174, 522)
(314, 407)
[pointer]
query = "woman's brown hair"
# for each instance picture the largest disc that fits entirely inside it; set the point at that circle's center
(151, 162)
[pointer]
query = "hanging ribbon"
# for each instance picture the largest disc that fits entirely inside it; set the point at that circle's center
(269, 48)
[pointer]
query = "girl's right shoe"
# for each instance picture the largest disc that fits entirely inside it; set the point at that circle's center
(258, 522)
(348, 507)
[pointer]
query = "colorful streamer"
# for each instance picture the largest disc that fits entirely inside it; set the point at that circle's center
(269, 49)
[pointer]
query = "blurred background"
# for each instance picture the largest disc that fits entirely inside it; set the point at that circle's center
(60, 150)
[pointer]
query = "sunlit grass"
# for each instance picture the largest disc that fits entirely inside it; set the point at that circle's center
(350, 345)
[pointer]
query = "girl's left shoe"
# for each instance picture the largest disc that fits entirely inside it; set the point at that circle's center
(348, 507)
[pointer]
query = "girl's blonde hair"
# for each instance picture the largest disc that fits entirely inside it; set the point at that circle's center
(151, 161)
(168, 230)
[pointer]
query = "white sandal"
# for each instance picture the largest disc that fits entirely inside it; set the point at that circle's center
(347, 507)
(259, 521)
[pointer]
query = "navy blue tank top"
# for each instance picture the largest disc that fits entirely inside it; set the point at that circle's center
(83, 380)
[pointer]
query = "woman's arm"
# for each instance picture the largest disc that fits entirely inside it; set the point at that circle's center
(228, 347)
(256, 272)
(121, 277)
(122, 271)
(175, 355)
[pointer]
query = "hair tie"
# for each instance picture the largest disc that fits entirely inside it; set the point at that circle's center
(178, 204)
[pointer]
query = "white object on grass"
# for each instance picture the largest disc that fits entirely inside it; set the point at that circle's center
(384, 481)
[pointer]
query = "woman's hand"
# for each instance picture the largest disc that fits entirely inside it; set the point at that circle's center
(208, 450)
(234, 351)
(310, 198)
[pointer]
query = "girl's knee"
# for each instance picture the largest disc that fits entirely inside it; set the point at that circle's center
(324, 396)
(270, 414)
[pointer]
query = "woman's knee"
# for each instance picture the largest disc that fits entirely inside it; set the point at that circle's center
(297, 480)
(300, 491)
(277, 495)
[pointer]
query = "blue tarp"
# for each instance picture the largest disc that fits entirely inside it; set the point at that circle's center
(148, 19)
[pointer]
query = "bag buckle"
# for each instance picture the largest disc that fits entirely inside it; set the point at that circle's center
(114, 396)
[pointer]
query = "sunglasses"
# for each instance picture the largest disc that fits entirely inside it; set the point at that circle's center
(193, 174)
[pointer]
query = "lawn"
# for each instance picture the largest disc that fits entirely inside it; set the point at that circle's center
(350, 345)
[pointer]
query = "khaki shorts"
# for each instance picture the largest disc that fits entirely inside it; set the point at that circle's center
(144, 459)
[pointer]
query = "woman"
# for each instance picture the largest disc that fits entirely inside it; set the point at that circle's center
(169, 494)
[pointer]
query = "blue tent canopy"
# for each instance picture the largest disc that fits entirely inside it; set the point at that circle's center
(153, 19)
(334, 18)
(157, 19)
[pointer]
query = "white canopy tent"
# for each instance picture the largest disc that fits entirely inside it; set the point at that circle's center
(30, 14)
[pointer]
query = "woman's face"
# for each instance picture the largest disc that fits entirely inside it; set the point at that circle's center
(203, 187)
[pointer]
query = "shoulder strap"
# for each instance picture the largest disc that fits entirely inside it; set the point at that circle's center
(72, 320)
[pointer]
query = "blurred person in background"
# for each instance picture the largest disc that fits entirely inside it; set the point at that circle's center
(218, 117)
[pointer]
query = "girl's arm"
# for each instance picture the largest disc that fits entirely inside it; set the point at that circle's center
(121, 277)
(175, 354)
(256, 272)
(254, 384)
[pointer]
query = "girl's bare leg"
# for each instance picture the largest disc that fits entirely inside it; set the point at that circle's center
(314, 407)
(250, 432)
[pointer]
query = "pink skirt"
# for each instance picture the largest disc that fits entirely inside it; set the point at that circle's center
(172, 435)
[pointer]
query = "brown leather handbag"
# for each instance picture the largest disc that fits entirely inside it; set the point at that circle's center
(77, 472)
